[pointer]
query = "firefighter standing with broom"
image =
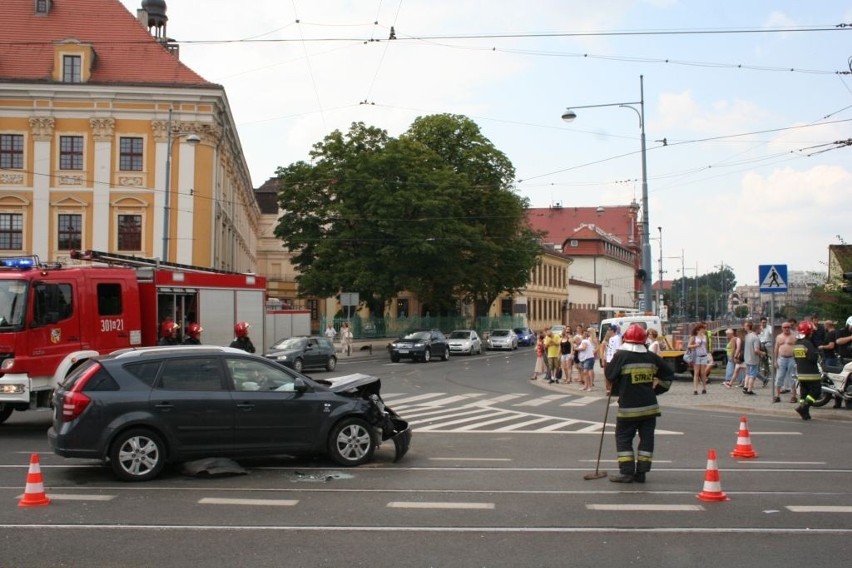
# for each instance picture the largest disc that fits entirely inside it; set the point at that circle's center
(636, 376)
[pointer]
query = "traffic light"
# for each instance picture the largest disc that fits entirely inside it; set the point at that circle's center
(847, 276)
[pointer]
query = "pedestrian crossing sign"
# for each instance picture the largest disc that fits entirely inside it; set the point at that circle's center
(772, 277)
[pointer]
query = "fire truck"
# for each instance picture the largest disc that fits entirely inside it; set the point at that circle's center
(54, 317)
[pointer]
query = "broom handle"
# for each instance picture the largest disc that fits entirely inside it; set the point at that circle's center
(603, 430)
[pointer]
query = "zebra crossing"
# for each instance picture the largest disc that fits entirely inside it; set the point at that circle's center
(438, 412)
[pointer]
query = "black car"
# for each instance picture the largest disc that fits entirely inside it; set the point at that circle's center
(304, 353)
(139, 409)
(420, 346)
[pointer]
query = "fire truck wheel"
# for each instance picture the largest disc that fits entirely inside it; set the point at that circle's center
(137, 455)
(5, 412)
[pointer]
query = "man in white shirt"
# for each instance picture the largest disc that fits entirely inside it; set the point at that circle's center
(614, 343)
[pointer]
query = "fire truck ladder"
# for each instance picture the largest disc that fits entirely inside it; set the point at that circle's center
(133, 261)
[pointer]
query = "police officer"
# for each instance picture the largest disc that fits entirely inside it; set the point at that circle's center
(242, 340)
(168, 332)
(193, 333)
(806, 356)
(636, 376)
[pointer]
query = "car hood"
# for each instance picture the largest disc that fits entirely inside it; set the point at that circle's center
(350, 382)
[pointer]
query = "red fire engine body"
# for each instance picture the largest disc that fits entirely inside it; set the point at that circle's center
(54, 317)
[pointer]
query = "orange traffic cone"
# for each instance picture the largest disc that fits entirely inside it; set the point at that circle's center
(34, 493)
(712, 484)
(743, 448)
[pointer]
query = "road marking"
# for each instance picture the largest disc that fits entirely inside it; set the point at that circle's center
(819, 509)
(581, 401)
(261, 502)
(648, 507)
(437, 505)
(470, 427)
(473, 459)
(450, 412)
(459, 421)
(764, 462)
(558, 426)
(428, 395)
(753, 433)
(75, 497)
(499, 399)
(542, 400)
(519, 425)
(479, 412)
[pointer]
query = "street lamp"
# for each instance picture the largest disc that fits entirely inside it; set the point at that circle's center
(568, 116)
(192, 139)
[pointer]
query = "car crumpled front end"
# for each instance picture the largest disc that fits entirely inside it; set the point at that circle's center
(389, 425)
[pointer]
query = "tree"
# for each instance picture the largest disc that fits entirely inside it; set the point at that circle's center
(431, 212)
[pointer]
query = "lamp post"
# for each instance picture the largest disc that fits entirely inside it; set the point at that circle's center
(192, 139)
(568, 116)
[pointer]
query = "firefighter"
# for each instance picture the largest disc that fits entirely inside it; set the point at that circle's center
(193, 332)
(636, 376)
(242, 340)
(168, 332)
(806, 356)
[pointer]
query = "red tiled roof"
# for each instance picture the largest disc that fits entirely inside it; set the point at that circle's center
(560, 223)
(125, 53)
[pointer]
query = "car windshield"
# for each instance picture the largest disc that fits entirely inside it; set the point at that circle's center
(417, 335)
(291, 343)
(13, 302)
(520, 330)
(460, 335)
(500, 333)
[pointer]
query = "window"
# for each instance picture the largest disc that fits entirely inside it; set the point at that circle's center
(251, 375)
(109, 299)
(196, 374)
(71, 69)
(52, 303)
(42, 6)
(130, 232)
(69, 232)
(12, 151)
(130, 154)
(11, 231)
(70, 152)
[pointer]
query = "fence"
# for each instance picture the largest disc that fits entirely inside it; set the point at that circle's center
(377, 328)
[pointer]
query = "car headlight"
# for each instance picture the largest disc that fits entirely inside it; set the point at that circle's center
(420, 344)
(282, 357)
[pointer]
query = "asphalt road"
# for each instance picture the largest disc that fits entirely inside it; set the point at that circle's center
(494, 478)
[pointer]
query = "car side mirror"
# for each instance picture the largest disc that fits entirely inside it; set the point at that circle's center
(300, 386)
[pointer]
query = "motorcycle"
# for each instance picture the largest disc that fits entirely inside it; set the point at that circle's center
(836, 385)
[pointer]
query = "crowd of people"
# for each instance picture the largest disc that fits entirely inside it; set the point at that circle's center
(567, 357)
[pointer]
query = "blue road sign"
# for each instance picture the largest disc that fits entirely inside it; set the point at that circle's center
(772, 278)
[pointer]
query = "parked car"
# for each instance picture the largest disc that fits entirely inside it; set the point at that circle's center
(465, 341)
(420, 346)
(502, 339)
(139, 409)
(526, 336)
(304, 353)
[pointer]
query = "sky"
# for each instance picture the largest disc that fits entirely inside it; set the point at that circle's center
(744, 103)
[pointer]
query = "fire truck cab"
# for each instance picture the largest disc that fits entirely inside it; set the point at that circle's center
(53, 317)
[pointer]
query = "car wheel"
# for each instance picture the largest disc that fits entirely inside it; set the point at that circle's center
(5, 412)
(298, 365)
(351, 442)
(394, 358)
(427, 355)
(137, 455)
(332, 363)
(446, 354)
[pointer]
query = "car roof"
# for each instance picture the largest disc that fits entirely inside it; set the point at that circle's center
(139, 352)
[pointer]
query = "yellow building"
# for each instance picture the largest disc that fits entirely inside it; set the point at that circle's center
(109, 142)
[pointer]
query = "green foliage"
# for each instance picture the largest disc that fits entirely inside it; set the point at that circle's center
(741, 311)
(432, 212)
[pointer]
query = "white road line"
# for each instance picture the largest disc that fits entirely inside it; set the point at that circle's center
(582, 401)
(648, 507)
(522, 424)
(773, 433)
(479, 412)
(451, 399)
(473, 459)
(443, 411)
(437, 505)
(819, 509)
(764, 462)
(76, 497)
(470, 427)
(542, 400)
(260, 502)
(459, 421)
(499, 399)
(558, 426)
(425, 396)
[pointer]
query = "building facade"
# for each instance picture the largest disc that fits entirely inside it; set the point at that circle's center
(113, 148)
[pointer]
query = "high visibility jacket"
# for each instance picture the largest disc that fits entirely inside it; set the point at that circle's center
(632, 372)
(806, 356)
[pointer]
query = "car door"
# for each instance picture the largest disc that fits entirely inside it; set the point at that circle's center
(313, 354)
(191, 400)
(270, 415)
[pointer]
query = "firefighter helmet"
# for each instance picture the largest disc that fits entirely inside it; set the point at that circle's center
(194, 330)
(635, 334)
(806, 328)
(241, 329)
(168, 328)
